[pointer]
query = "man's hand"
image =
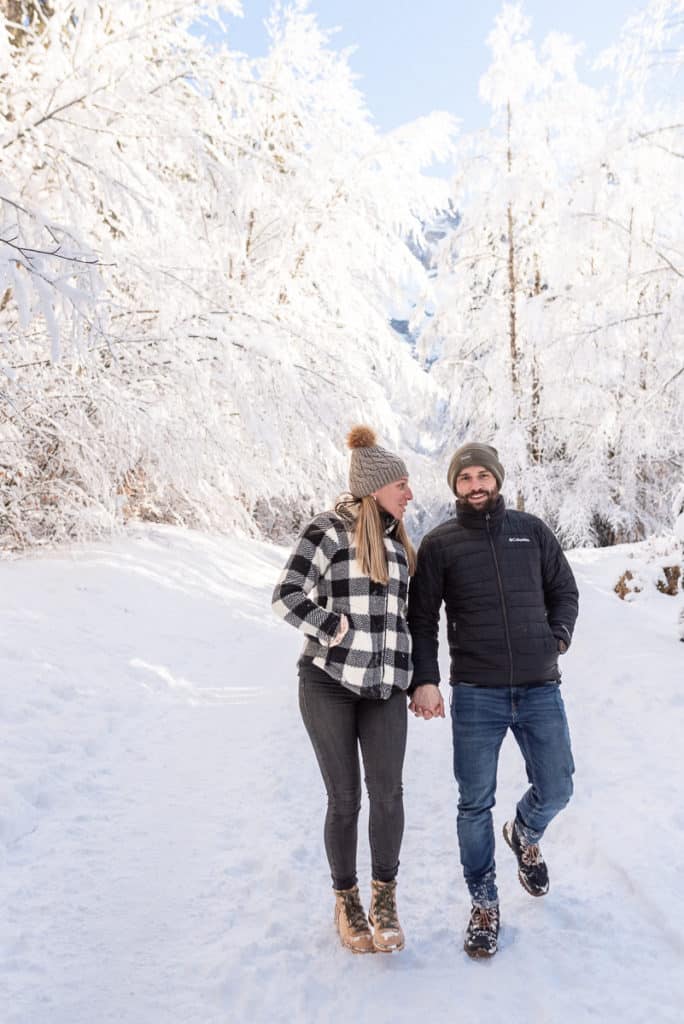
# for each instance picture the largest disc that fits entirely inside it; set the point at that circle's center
(426, 702)
(562, 647)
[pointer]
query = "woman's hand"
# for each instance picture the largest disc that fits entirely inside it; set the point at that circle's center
(426, 702)
(342, 631)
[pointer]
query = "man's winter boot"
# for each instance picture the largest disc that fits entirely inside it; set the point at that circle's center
(350, 921)
(482, 931)
(532, 871)
(387, 934)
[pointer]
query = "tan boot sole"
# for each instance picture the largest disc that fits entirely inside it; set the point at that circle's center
(396, 948)
(357, 949)
(388, 949)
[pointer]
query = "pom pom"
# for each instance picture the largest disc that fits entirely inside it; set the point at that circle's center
(361, 437)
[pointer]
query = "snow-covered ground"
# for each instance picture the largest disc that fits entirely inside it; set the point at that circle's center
(161, 813)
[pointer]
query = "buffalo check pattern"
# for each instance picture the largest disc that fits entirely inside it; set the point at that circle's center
(322, 581)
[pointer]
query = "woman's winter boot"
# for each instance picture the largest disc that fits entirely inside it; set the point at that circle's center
(387, 934)
(350, 921)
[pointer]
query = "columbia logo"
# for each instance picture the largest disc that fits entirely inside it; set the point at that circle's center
(519, 540)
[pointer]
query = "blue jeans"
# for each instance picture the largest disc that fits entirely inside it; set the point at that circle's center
(480, 718)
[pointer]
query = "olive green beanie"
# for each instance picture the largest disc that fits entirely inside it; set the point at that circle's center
(475, 454)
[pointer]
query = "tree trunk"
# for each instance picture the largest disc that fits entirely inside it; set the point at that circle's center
(512, 319)
(534, 441)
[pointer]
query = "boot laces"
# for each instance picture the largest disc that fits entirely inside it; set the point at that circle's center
(485, 918)
(531, 855)
(354, 911)
(384, 907)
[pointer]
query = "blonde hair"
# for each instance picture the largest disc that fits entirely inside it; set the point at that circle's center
(369, 537)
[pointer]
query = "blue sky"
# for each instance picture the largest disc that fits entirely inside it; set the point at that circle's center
(415, 56)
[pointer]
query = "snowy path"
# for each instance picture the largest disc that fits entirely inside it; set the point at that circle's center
(160, 814)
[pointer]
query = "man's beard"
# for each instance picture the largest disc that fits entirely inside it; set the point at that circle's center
(486, 506)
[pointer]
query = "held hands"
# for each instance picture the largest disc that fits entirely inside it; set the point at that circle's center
(426, 702)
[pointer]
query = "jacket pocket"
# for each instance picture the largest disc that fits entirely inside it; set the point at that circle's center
(356, 647)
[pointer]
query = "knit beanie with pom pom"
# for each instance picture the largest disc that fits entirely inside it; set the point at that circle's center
(371, 467)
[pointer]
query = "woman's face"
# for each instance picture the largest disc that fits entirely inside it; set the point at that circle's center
(394, 497)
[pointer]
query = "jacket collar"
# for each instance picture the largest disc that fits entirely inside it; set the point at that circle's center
(389, 523)
(474, 519)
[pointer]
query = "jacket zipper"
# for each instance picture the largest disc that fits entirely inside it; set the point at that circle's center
(384, 619)
(384, 636)
(503, 602)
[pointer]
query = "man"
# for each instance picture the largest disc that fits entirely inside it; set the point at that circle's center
(511, 605)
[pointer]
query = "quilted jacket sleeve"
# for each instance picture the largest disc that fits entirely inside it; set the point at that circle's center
(560, 590)
(425, 600)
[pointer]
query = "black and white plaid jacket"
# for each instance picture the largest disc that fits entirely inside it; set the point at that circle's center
(321, 581)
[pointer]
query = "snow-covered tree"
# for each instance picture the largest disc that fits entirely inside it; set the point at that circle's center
(558, 294)
(201, 257)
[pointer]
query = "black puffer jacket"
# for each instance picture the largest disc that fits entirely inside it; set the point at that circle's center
(510, 596)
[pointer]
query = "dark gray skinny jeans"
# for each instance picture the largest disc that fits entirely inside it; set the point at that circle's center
(338, 722)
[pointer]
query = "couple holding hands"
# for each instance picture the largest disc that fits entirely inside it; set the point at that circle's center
(372, 639)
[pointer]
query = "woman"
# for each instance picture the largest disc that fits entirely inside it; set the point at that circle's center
(345, 587)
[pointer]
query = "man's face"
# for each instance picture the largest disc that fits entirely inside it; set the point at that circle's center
(476, 488)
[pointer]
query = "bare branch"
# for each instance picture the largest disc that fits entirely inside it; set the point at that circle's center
(626, 230)
(47, 117)
(613, 323)
(657, 131)
(16, 206)
(23, 249)
(665, 149)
